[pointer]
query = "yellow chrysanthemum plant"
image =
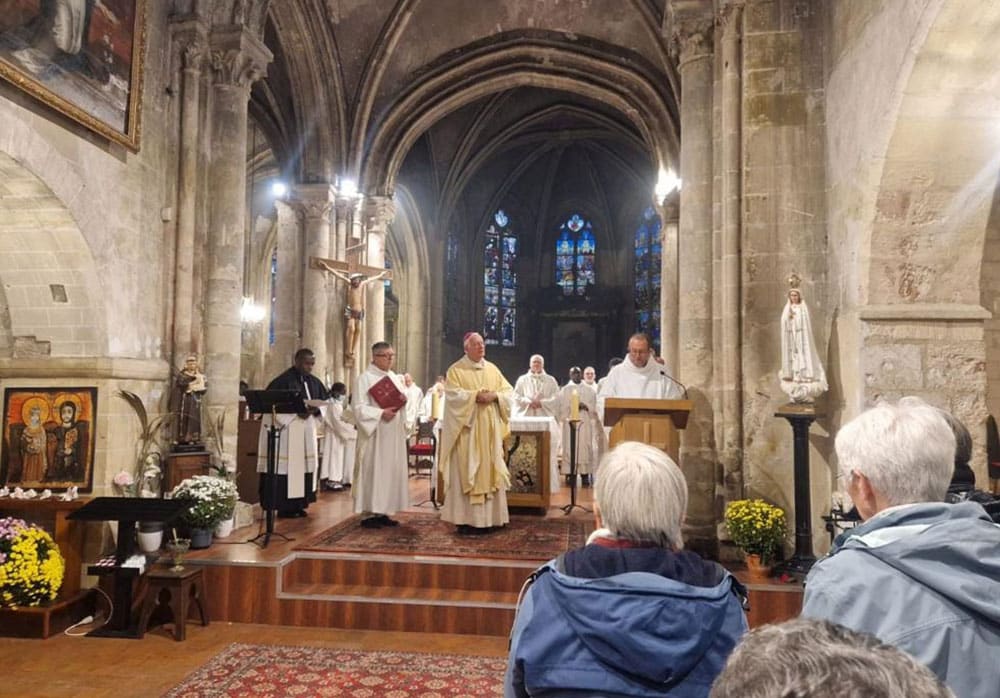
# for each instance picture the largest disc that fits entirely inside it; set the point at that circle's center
(757, 527)
(31, 566)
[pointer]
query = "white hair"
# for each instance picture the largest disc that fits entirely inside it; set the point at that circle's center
(906, 450)
(642, 495)
(537, 356)
(808, 657)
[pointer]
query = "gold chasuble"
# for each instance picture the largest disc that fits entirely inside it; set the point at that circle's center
(472, 464)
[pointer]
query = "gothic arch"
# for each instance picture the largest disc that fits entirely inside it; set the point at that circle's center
(47, 272)
(536, 60)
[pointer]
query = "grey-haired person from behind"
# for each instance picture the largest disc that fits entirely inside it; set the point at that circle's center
(631, 613)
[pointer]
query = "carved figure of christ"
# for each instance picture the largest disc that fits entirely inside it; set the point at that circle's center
(357, 277)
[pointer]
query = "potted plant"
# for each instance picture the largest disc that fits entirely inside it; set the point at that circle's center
(213, 500)
(758, 528)
(31, 566)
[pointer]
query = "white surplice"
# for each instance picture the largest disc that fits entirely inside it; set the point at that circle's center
(586, 458)
(543, 387)
(380, 472)
(298, 453)
(651, 381)
(339, 443)
(413, 397)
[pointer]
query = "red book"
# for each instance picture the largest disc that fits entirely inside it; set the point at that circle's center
(386, 394)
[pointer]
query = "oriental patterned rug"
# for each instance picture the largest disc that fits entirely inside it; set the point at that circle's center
(260, 670)
(524, 538)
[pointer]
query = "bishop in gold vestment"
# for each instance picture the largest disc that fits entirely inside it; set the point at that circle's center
(476, 420)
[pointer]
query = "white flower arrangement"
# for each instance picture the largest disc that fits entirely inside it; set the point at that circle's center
(214, 500)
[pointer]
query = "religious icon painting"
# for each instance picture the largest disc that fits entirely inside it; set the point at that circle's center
(49, 437)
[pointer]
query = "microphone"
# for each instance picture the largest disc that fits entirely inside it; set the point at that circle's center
(671, 378)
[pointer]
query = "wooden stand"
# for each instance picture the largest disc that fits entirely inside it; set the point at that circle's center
(181, 466)
(653, 422)
(801, 417)
(47, 619)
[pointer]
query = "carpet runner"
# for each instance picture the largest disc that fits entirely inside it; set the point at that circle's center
(525, 538)
(260, 670)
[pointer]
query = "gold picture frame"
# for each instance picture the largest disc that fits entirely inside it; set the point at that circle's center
(80, 57)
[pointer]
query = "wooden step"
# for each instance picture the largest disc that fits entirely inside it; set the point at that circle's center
(405, 594)
(502, 576)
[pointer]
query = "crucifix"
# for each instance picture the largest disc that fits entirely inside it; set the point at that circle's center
(357, 276)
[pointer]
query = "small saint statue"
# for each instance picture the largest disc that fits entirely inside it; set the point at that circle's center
(354, 310)
(185, 403)
(802, 376)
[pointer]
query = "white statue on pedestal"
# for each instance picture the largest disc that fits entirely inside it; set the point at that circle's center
(802, 376)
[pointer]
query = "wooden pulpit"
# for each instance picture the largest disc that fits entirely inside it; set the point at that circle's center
(653, 422)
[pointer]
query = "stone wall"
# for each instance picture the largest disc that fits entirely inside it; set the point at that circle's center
(784, 231)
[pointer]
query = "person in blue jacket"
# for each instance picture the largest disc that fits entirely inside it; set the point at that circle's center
(631, 613)
(918, 573)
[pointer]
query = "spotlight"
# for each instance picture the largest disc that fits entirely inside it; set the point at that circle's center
(667, 181)
(279, 189)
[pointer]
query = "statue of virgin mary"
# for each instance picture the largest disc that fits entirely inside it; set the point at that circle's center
(802, 376)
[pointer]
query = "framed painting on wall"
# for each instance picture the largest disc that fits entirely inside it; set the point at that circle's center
(81, 57)
(49, 436)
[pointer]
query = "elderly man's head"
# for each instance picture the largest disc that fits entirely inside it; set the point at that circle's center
(536, 363)
(896, 454)
(816, 658)
(641, 495)
(475, 346)
(640, 349)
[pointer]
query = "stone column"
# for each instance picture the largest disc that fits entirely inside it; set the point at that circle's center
(669, 296)
(315, 201)
(237, 60)
(287, 327)
(694, 320)
(339, 240)
(378, 213)
(730, 383)
(191, 39)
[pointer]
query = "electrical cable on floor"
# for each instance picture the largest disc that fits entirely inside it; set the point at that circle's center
(90, 619)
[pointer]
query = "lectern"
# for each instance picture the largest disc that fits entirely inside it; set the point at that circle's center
(653, 422)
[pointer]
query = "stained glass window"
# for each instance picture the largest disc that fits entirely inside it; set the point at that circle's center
(575, 249)
(648, 249)
(500, 282)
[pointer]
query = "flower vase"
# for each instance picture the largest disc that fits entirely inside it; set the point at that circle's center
(150, 541)
(224, 527)
(757, 572)
(200, 538)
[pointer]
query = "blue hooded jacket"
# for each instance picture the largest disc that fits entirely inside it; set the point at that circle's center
(636, 633)
(926, 579)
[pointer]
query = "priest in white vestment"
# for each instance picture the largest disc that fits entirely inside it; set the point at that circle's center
(640, 375)
(600, 436)
(476, 420)
(432, 406)
(339, 440)
(536, 394)
(414, 395)
(380, 473)
(585, 398)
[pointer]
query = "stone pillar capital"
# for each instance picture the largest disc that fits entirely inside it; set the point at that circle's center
(315, 201)
(190, 38)
(669, 210)
(691, 23)
(237, 57)
(378, 213)
(728, 15)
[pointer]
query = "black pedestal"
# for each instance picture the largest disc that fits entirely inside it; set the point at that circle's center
(574, 424)
(801, 418)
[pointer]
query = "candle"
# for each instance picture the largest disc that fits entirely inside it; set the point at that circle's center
(435, 405)
(574, 405)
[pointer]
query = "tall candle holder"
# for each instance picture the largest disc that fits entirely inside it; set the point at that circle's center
(574, 424)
